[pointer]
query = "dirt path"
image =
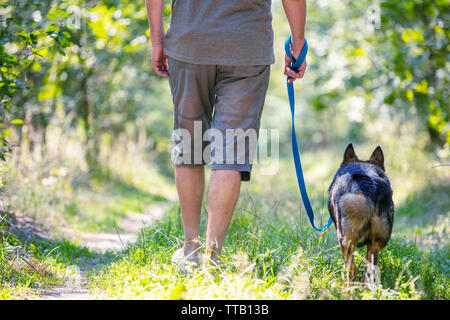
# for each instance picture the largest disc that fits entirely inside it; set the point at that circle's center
(76, 284)
(119, 240)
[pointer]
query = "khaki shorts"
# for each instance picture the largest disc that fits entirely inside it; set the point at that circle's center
(217, 114)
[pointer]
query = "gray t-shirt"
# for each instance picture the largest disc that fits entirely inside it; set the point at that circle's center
(221, 32)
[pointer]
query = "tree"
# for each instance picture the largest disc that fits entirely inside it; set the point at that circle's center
(22, 38)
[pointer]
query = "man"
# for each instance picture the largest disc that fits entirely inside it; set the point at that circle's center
(217, 56)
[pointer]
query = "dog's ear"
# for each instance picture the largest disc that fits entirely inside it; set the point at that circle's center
(349, 154)
(377, 157)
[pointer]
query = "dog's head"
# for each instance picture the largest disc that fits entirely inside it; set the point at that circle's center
(377, 157)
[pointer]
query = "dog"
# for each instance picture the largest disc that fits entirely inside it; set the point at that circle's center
(361, 207)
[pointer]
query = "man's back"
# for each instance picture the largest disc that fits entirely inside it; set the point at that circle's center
(221, 32)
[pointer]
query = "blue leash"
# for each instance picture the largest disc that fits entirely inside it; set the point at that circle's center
(298, 165)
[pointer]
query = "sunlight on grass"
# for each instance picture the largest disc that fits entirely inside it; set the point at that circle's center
(262, 260)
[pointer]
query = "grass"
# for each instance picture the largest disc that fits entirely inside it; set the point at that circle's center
(29, 267)
(268, 256)
(26, 267)
(270, 252)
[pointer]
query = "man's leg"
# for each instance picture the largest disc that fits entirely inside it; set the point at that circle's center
(240, 94)
(190, 182)
(223, 194)
(192, 88)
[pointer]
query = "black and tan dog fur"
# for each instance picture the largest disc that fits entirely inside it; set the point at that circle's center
(361, 206)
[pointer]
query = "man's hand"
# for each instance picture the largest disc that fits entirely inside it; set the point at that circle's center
(296, 15)
(159, 61)
(300, 72)
(155, 21)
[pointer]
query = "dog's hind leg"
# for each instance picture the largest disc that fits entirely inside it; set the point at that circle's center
(373, 249)
(347, 249)
(371, 272)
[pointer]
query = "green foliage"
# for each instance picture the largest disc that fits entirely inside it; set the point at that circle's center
(414, 36)
(361, 73)
(22, 39)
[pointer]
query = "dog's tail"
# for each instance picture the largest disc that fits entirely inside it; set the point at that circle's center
(357, 208)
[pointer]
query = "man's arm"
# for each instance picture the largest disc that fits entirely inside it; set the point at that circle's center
(296, 14)
(155, 21)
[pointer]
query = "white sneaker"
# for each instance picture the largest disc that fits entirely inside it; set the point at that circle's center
(181, 262)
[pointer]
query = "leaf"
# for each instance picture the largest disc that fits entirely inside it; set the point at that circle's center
(17, 121)
(51, 28)
(410, 95)
(422, 87)
(52, 16)
(12, 58)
